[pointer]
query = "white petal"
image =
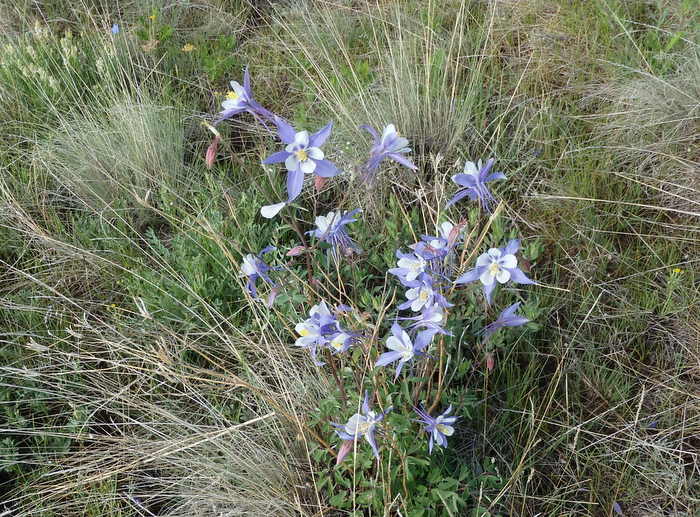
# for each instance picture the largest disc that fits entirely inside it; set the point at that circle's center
(486, 277)
(417, 305)
(301, 139)
(291, 162)
(315, 153)
(446, 229)
(248, 265)
(399, 144)
(270, 211)
(322, 223)
(412, 293)
(494, 253)
(388, 131)
(407, 263)
(508, 261)
(307, 166)
(236, 87)
(231, 104)
(483, 260)
(503, 276)
(321, 308)
(470, 168)
(393, 343)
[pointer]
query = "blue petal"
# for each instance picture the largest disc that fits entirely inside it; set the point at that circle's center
(488, 291)
(295, 181)
(284, 130)
(320, 136)
(517, 276)
(326, 169)
(402, 160)
(277, 157)
(459, 196)
(470, 276)
(371, 131)
(387, 358)
(512, 247)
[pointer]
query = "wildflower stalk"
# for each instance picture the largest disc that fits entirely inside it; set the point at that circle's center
(338, 380)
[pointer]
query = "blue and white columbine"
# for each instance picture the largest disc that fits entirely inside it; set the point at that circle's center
(388, 145)
(239, 99)
(497, 265)
(330, 228)
(358, 426)
(409, 266)
(507, 318)
(473, 184)
(438, 428)
(302, 155)
(402, 349)
(254, 267)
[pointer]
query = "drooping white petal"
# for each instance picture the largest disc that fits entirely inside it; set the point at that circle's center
(307, 166)
(486, 277)
(503, 276)
(270, 211)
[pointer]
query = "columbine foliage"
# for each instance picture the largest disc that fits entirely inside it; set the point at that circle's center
(420, 341)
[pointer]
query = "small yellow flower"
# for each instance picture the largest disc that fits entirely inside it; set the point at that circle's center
(189, 47)
(152, 17)
(677, 270)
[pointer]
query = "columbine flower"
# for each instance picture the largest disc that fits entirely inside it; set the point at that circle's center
(402, 348)
(473, 180)
(254, 267)
(330, 229)
(239, 99)
(302, 155)
(438, 428)
(431, 317)
(389, 145)
(115, 28)
(360, 425)
(507, 318)
(496, 265)
(422, 294)
(341, 342)
(410, 266)
(322, 328)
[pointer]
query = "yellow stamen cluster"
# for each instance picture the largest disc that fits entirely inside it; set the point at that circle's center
(232, 95)
(301, 155)
(304, 332)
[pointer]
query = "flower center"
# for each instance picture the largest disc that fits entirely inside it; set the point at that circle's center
(424, 294)
(304, 332)
(407, 355)
(494, 268)
(232, 95)
(301, 155)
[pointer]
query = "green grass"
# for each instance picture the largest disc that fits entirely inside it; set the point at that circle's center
(138, 377)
